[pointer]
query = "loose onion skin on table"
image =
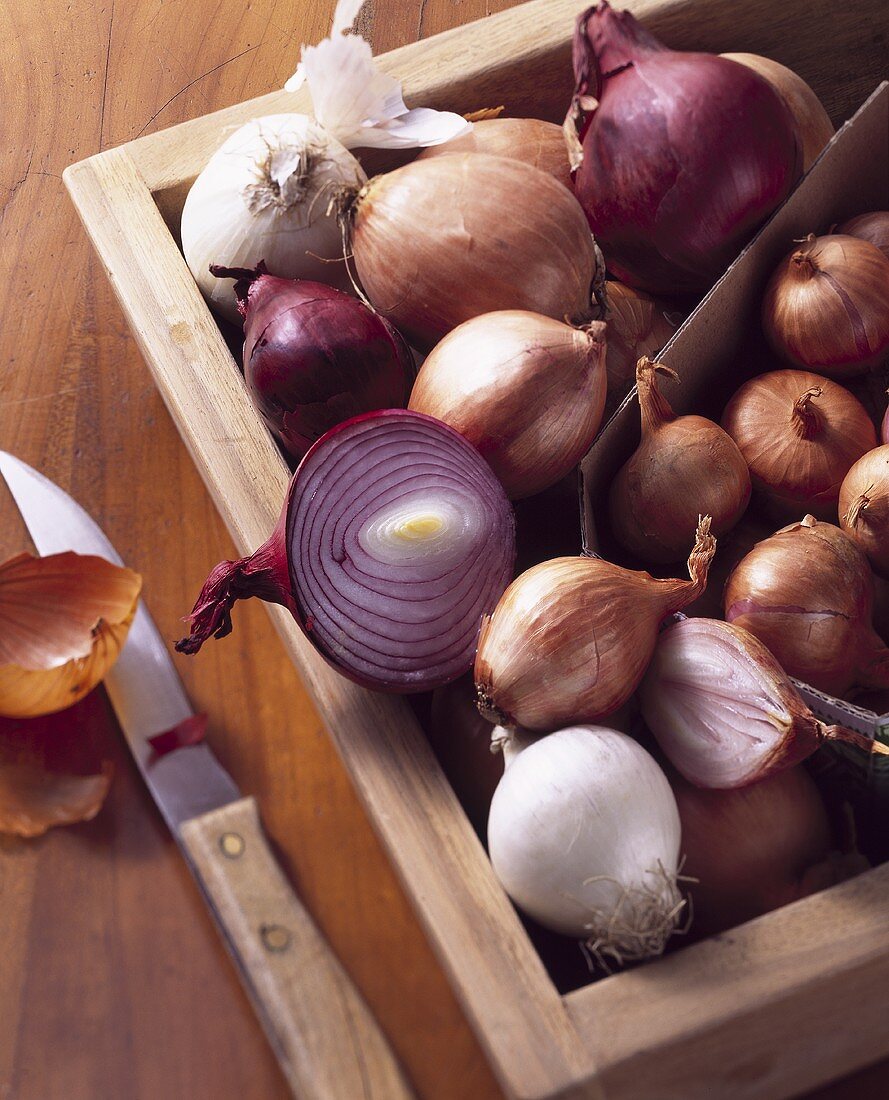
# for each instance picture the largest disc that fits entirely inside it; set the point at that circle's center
(395, 538)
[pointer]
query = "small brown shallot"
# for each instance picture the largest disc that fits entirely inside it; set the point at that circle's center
(807, 593)
(812, 122)
(873, 227)
(63, 621)
(570, 638)
(637, 325)
(724, 711)
(864, 507)
(442, 240)
(684, 467)
(526, 390)
(538, 143)
(827, 306)
(799, 434)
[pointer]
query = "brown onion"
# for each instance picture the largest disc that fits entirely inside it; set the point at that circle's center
(570, 639)
(827, 306)
(799, 434)
(526, 390)
(812, 121)
(684, 467)
(753, 849)
(538, 143)
(807, 593)
(864, 507)
(637, 325)
(442, 240)
(873, 227)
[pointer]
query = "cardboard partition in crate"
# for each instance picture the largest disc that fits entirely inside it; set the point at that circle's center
(766, 1010)
(720, 346)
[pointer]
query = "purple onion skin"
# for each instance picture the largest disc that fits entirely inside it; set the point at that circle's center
(684, 157)
(314, 356)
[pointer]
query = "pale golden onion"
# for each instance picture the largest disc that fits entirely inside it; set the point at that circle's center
(812, 121)
(442, 240)
(63, 621)
(526, 390)
(538, 143)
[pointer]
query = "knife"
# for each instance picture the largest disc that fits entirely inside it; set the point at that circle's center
(327, 1042)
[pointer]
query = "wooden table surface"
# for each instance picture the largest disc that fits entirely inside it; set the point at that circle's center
(113, 980)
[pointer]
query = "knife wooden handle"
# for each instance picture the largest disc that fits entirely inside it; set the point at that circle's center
(328, 1043)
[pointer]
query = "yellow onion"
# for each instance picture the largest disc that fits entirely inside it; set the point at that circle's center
(526, 390)
(827, 306)
(442, 240)
(812, 122)
(538, 143)
(684, 467)
(807, 593)
(799, 434)
(864, 507)
(638, 325)
(570, 639)
(63, 621)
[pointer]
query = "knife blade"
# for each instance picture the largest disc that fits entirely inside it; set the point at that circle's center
(324, 1035)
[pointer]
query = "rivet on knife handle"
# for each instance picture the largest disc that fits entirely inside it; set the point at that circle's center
(329, 1044)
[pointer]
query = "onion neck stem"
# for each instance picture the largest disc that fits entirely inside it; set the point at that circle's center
(805, 418)
(858, 507)
(852, 737)
(655, 408)
(802, 264)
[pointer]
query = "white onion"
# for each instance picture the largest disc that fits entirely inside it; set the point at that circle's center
(264, 195)
(584, 836)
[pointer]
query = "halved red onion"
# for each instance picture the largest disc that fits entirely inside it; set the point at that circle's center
(396, 538)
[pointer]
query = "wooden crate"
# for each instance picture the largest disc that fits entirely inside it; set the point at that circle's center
(769, 1009)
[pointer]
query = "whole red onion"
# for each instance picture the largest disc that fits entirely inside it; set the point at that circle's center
(314, 356)
(684, 154)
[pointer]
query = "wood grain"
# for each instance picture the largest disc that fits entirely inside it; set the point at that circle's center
(113, 961)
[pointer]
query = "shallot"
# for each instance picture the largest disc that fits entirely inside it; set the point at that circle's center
(864, 507)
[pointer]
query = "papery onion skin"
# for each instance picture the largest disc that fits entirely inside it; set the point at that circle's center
(584, 836)
(64, 619)
(314, 356)
(394, 539)
(807, 593)
(827, 306)
(723, 710)
(264, 196)
(684, 467)
(864, 507)
(872, 227)
(638, 325)
(538, 143)
(799, 433)
(684, 154)
(752, 849)
(442, 240)
(812, 121)
(570, 639)
(526, 390)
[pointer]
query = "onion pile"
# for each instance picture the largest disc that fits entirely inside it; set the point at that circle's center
(683, 155)
(799, 434)
(584, 836)
(395, 538)
(538, 143)
(827, 306)
(864, 507)
(570, 639)
(723, 710)
(807, 593)
(526, 390)
(683, 468)
(314, 356)
(442, 240)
